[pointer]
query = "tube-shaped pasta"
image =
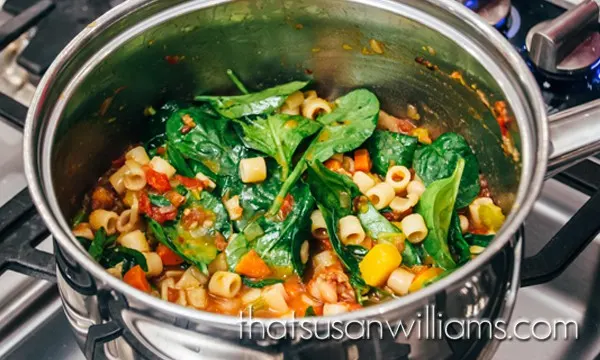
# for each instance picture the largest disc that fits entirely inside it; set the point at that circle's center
(197, 297)
(225, 284)
(134, 240)
(400, 280)
(128, 220)
(413, 226)
(334, 309)
(381, 195)
(285, 109)
(318, 227)
(310, 94)
(154, 262)
(304, 251)
(218, 264)
(275, 296)
(253, 170)
(117, 179)
(101, 218)
(363, 181)
(312, 107)
(415, 187)
(402, 204)
(139, 155)
(162, 166)
(135, 177)
(131, 198)
(398, 177)
(294, 100)
(474, 210)
(464, 223)
(83, 230)
(350, 230)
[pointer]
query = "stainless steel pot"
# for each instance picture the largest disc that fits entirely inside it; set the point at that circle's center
(89, 107)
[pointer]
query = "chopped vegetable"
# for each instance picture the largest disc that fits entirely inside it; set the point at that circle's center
(260, 283)
(362, 160)
(424, 277)
(168, 256)
(136, 277)
(253, 266)
(159, 181)
(379, 263)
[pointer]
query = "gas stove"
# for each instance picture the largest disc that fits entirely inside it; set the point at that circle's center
(32, 32)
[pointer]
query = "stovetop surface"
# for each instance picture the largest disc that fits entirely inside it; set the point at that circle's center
(40, 330)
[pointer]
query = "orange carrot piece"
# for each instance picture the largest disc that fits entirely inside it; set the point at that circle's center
(136, 277)
(167, 255)
(253, 266)
(362, 160)
(333, 164)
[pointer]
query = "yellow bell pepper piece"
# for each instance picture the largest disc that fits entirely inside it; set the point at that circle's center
(379, 263)
(423, 277)
(491, 216)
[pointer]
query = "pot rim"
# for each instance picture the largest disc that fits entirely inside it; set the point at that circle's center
(534, 137)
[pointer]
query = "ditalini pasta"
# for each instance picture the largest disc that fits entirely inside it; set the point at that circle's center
(349, 213)
(351, 231)
(381, 195)
(253, 170)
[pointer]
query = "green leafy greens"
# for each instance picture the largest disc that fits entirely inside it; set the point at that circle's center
(278, 136)
(344, 129)
(437, 206)
(387, 149)
(438, 161)
(259, 103)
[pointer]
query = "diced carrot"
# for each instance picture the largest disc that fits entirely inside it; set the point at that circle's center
(158, 181)
(333, 164)
(136, 277)
(362, 160)
(253, 266)
(167, 255)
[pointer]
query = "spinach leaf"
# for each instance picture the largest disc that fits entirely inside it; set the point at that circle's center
(235, 250)
(262, 102)
(100, 242)
(195, 246)
(119, 254)
(436, 206)
(212, 143)
(344, 129)
(85, 242)
(280, 241)
(260, 283)
(158, 200)
(310, 311)
(178, 161)
(388, 149)
(280, 244)
(278, 136)
(358, 251)
(456, 242)
(438, 161)
(478, 239)
(334, 194)
(380, 229)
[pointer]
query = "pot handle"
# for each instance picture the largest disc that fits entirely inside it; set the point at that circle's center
(574, 136)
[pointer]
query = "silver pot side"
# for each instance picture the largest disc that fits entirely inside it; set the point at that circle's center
(120, 60)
